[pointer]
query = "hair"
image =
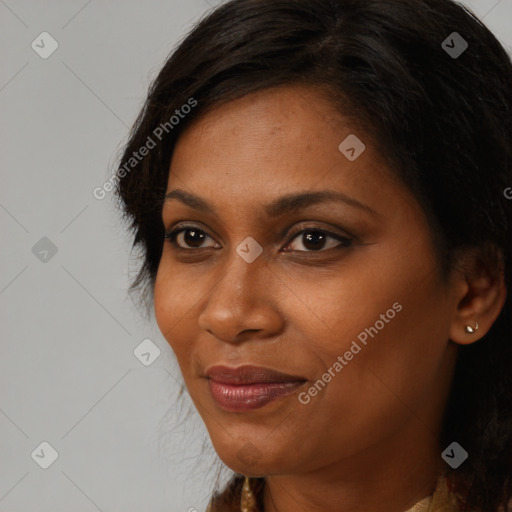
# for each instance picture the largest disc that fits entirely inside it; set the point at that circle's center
(443, 124)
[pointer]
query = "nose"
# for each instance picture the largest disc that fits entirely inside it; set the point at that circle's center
(243, 302)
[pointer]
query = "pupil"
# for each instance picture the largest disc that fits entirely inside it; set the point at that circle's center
(193, 237)
(314, 239)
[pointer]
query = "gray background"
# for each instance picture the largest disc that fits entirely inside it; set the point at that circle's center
(68, 374)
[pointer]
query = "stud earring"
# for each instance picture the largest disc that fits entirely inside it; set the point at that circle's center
(247, 500)
(471, 330)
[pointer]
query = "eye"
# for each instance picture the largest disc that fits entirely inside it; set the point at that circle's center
(189, 237)
(316, 240)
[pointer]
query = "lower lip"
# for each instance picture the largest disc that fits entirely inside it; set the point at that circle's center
(237, 398)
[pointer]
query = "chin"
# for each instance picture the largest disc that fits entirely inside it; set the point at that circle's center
(248, 459)
(257, 470)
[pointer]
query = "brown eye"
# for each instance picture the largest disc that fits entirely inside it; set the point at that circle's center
(189, 238)
(314, 240)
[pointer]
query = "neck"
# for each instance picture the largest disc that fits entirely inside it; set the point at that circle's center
(390, 478)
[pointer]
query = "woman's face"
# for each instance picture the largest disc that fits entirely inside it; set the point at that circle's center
(341, 291)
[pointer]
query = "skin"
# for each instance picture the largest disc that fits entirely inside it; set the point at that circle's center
(368, 440)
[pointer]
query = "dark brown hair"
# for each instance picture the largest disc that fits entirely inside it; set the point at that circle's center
(444, 123)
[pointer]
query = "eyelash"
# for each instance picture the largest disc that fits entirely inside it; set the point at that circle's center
(345, 242)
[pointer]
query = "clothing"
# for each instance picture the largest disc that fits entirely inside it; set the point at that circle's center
(442, 500)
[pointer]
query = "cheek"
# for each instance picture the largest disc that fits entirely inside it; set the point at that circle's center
(174, 300)
(174, 308)
(392, 358)
(389, 322)
(164, 302)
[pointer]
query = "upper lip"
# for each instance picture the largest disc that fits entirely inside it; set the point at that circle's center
(249, 374)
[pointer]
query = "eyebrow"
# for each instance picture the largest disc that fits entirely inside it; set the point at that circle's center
(281, 206)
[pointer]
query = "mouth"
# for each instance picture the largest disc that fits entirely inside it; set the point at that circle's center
(249, 387)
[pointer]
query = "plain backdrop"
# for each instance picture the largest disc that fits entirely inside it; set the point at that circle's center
(118, 439)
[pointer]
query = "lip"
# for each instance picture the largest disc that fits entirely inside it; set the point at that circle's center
(249, 387)
(249, 374)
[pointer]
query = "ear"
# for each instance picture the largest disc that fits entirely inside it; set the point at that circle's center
(480, 293)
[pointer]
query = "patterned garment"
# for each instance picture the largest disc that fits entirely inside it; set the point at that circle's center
(442, 500)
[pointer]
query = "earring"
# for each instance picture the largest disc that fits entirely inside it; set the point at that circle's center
(471, 330)
(247, 500)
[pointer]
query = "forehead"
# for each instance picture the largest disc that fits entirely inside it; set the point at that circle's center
(272, 143)
(271, 127)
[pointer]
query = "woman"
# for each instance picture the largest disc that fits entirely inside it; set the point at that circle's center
(321, 204)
